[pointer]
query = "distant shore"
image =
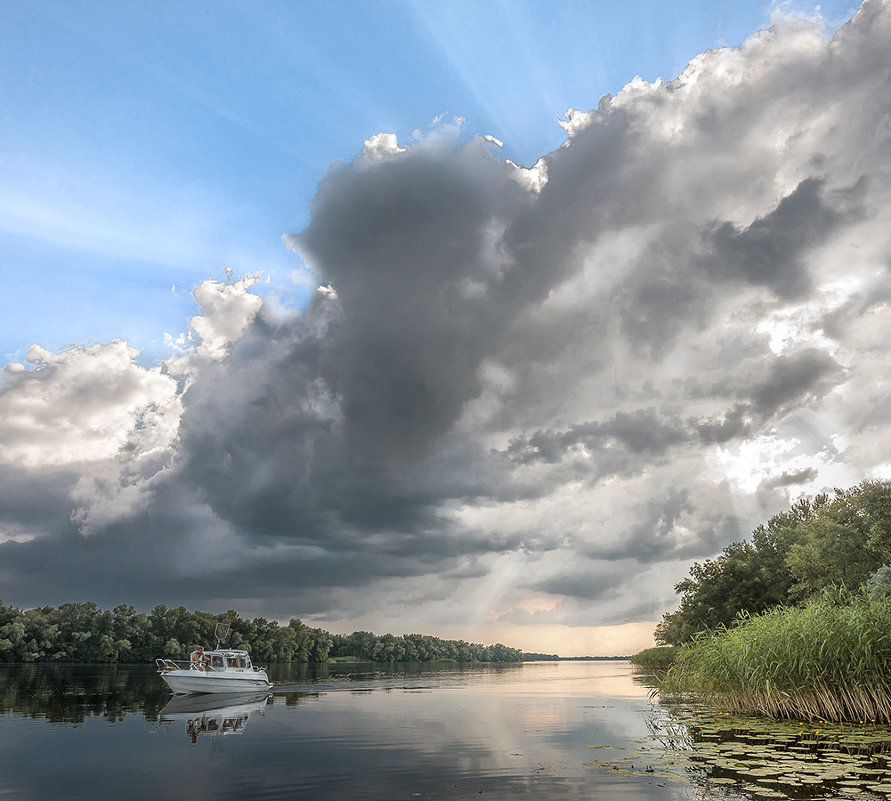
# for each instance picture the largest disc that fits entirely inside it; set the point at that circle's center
(84, 633)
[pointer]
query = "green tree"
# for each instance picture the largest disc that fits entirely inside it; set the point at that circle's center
(81, 632)
(285, 647)
(848, 539)
(841, 540)
(879, 583)
(747, 577)
(130, 629)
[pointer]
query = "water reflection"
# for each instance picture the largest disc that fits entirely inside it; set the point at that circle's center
(212, 714)
(561, 731)
(73, 693)
(336, 731)
(398, 675)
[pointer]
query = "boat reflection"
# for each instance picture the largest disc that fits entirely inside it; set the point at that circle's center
(212, 714)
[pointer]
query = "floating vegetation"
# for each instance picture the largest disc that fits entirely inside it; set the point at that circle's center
(735, 756)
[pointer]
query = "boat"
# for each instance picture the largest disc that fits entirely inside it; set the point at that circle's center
(223, 670)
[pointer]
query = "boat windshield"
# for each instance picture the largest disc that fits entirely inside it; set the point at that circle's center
(235, 661)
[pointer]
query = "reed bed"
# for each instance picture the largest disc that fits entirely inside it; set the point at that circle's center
(656, 658)
(827, 660)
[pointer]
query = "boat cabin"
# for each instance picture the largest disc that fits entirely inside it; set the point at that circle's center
(229, 659)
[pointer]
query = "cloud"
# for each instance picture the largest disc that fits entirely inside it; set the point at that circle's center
(526, 396)
(769, 250)
(226, 310)
(78, 406)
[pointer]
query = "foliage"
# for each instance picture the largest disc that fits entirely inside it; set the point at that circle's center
(846, 542)
(816, 544)
(367, 647)
(81, 632)
(746, 576)
(879, 583)
(655, 657)
(826, 660)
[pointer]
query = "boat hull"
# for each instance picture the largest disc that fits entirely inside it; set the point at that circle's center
(199, 681)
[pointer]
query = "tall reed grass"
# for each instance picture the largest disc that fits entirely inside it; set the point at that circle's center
(827, 660)
(656, 658)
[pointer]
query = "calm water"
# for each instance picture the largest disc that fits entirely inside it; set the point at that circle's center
(344, 732)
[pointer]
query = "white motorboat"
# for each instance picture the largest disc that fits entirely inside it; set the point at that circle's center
(226, 670)
(223, 670)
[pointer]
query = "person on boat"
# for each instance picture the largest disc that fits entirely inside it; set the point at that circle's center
(198, 658)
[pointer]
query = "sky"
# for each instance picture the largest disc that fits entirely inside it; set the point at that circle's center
(473, 320)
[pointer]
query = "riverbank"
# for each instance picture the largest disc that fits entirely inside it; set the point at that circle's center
(84, 633)
(829, 660)
(659, 658)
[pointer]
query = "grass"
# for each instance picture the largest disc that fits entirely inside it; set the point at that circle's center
(827, 660)
(657, 658)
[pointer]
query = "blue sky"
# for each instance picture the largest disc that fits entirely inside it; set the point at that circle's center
(145, 147)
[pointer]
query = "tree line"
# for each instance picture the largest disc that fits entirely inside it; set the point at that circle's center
(367, 647)
(841, 539)
(82, 632)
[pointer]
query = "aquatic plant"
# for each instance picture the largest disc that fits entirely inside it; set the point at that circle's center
(736, 757)
(655, 658)
(827, 660)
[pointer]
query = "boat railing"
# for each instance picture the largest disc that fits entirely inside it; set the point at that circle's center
(165, 665)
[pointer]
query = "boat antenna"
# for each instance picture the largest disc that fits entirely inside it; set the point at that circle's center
(221, 632)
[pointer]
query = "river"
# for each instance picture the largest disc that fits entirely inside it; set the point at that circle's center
(554, 730)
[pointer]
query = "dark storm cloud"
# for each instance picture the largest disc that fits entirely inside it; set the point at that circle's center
(510, 382)
(20, 515)
(792, 479)
(639, 432)
(769, 251)
(735, 422)
(588, 584)
(790, 381)
(404, 243)
(794, 379)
